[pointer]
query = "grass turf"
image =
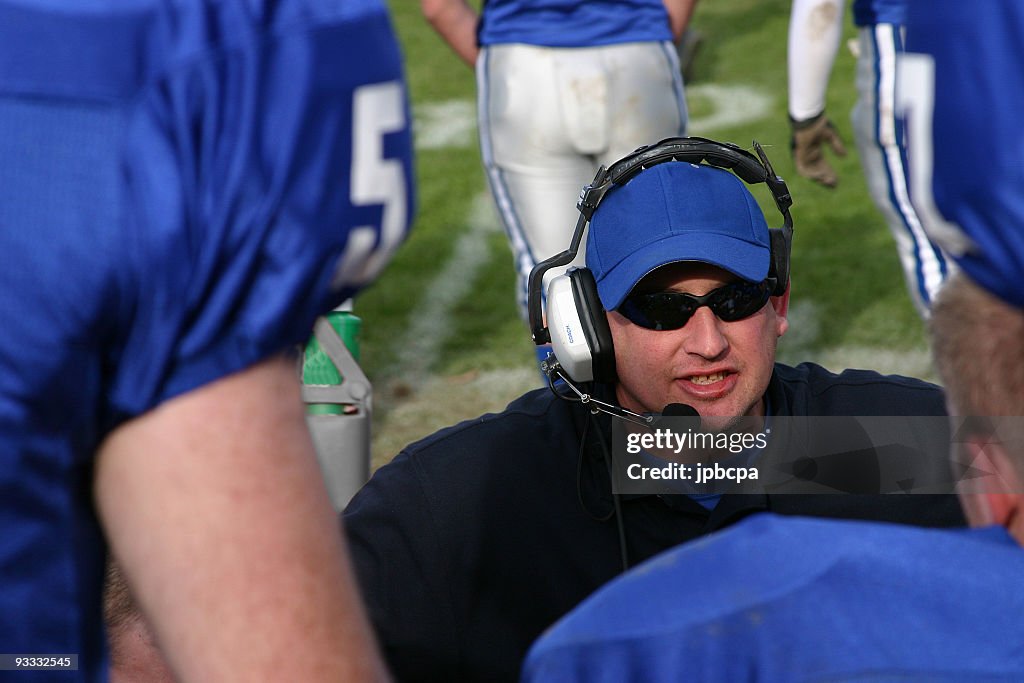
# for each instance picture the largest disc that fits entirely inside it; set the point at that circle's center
(848, 290)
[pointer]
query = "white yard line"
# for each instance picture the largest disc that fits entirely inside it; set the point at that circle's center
(441, 125)
(429, 325)
(732, 105)
(452, 123)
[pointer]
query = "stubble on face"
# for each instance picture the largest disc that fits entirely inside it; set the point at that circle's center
(721, 369)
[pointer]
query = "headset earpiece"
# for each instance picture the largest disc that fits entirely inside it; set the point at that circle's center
(580, 337)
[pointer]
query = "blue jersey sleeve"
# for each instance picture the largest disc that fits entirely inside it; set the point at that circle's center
(976, 51)
(266, 183)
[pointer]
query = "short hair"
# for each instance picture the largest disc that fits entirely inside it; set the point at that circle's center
(119, 609)
(978, 344)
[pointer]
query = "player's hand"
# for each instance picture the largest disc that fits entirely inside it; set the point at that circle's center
(807, 143)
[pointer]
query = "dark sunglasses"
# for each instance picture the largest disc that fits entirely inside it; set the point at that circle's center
(672, 310)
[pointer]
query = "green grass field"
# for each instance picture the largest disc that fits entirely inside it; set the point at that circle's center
(442, 339)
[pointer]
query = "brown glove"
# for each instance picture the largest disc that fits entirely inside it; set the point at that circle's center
(806, 144)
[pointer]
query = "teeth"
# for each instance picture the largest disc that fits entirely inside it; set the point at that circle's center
(708, 379)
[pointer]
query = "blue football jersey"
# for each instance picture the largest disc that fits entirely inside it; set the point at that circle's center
(869, 12)
(783, 599)
(962, 84)
(572, 23)
(184, 186)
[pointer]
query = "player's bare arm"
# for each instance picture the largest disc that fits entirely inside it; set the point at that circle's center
(679, 13)
(455, 21)
(215, 507)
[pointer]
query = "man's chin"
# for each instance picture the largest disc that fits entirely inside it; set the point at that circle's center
(721, 418)
(720, 423)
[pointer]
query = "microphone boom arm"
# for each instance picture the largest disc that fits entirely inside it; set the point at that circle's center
(551, 367)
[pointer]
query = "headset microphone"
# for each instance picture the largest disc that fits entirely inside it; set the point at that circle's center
(551, 367)
(679, 410)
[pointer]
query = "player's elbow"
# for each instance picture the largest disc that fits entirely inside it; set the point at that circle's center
(433, 10)
(455, 21)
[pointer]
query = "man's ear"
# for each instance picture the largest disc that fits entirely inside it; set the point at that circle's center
(996, 497)
(781, 306)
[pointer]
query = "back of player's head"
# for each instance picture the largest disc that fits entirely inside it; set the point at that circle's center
(978, 343)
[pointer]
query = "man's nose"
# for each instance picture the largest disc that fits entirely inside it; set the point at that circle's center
(704, 335)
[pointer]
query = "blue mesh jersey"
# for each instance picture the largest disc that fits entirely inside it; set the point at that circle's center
(573, 23)
(184, 186)
(790, 599)
(972, 106)
(870, 12)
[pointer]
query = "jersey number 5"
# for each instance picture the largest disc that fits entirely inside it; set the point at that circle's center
(377, 109)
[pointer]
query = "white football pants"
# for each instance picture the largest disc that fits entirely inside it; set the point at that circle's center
(549, 117)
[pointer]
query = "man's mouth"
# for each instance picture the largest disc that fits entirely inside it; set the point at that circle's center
(704, 380)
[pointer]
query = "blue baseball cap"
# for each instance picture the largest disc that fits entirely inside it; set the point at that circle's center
(671, 212)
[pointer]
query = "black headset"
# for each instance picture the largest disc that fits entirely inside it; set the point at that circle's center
(577, 326)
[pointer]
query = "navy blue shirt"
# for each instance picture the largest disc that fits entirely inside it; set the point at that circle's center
(474, 540)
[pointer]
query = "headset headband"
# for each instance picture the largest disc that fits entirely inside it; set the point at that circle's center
(693, 150)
